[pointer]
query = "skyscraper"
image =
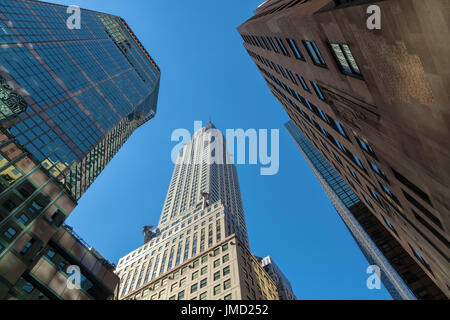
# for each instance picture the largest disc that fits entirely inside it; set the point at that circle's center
(351, 209)
(284, 287)
(69, 99)
(373, 103)
(200, 248)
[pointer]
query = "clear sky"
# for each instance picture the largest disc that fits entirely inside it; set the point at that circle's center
(207, 73)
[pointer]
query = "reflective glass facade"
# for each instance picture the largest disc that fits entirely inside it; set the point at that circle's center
(72, 97)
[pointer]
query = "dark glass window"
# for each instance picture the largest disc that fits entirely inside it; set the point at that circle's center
(283, 48)
(272, 43)
(295, 49)
(318, 91)
(314, 53)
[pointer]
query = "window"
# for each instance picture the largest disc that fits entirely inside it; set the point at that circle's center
(225, 247)
(303, 82)
(226, 258)
(345, 59)
(28, 287)
(413, 187)
(265, 43)
(181, 295)
(378, 170)
(217, 290)
(50, 254)
(295, 49)
(195, 275)
(283, 48)
(388, 223)
(228, 297)
(226, 271)
(421, 259)
(203, 283)
(194, 288)
(203, 296)
(23, 219)
(216, 263)
(27, 247)
(314, 53)
(358, 162)
(204, 259)
(366, 147)
(291, 76)
(10, 233)
(368, 201)
(204, 270)
(340, 128)
(272, 43)
(217, 276)
(227, 284)
(318, 91)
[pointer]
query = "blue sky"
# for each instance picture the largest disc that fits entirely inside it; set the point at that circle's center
(207, 73)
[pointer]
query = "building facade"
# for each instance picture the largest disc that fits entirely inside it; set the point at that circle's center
(69, 99)
(199, 250)
(373, 103)
(377, 245)
(284, 287)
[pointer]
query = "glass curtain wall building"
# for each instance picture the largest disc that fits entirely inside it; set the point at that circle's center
(69, 99)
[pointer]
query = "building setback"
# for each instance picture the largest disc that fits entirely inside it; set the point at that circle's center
(199, 250)
(374, 103)
(69, 99)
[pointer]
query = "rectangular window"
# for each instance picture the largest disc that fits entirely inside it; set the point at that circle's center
(27, 247)
(227, 285)
(413, 187)
(358, 162)
(217, 290)
(272, 43)
(366, 147)
(340, 128)
(345, 59)
(283, 48)
(295, 49)
(422, 209)
(378, 171)
(291, 76)
(265, 43)
(10, 233)
(314, 53)
(318, 91)
(303, 82)
(282, 71)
